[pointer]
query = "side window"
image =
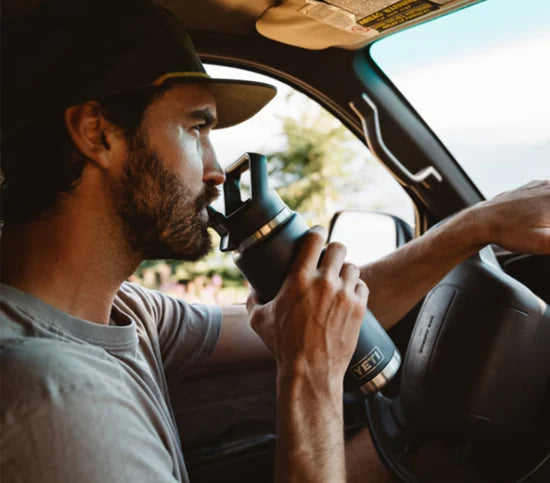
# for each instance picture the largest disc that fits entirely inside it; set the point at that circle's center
(316, 165)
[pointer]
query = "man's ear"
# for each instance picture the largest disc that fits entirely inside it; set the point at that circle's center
(93, 135)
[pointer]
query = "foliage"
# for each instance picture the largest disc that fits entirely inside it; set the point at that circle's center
(307, 171)
(215, 263)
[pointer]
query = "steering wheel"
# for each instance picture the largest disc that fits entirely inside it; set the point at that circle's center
(476, 374)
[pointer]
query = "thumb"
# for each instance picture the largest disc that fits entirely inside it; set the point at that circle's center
(252, 301)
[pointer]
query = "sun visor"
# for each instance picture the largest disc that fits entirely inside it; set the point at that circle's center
(348, 24)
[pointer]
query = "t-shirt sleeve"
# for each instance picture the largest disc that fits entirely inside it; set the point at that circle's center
(187, 333)
(82, 436)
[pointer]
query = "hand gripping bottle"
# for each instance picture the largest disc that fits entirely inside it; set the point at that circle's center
(265, 235)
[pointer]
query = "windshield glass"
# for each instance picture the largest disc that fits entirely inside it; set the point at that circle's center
(480, 78)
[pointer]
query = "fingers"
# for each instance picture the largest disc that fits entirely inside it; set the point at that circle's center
(251, 301)
(333, 259)
(537, 187)
(252, 304)
(536, 183)
(352, 282)
(362, 291)
(350, 276)
(310, 250)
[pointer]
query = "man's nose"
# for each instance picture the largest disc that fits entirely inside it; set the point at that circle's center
(213, 172)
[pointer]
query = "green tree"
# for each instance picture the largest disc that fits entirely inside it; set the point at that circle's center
(308, 172)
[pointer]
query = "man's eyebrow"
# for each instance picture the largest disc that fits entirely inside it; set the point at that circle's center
(205, 115)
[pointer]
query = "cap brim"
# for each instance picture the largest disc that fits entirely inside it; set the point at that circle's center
(237, 101)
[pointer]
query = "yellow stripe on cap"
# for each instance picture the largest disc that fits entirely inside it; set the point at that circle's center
(172, 75)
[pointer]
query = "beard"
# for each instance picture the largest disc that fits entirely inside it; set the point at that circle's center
(160, 218)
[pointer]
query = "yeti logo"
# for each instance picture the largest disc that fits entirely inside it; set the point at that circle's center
(368, 364)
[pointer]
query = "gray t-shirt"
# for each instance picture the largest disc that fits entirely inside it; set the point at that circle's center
(84, 402)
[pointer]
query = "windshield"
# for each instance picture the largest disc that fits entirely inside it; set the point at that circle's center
(480, 78)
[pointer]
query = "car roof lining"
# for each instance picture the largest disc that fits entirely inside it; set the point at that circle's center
(290, 21)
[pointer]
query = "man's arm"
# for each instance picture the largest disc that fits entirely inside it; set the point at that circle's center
(517, 220)
(308, 326)
(238, 344)
(398, 281)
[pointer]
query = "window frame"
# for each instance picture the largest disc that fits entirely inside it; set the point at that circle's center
(334, 92)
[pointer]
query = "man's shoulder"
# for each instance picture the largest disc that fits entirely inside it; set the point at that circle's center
(37, 370)
(152, 305)
(135, 292)
(139, 299)
(66, 417)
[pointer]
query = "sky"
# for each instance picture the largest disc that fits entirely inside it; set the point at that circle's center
(480, 78)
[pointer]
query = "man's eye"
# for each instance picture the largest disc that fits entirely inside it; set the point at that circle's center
(198, 127)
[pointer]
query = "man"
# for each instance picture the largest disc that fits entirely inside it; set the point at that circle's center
(107, 161)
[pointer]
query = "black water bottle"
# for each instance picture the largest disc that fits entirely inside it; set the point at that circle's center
(265, 236)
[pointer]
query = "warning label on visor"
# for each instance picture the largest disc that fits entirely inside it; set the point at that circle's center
(368, 17)
(397, 14)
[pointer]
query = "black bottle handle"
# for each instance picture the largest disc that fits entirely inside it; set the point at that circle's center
(257, 165)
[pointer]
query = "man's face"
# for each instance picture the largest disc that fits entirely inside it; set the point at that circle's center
(170, 176)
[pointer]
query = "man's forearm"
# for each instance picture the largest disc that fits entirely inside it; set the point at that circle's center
(398, 281)
(310, 438)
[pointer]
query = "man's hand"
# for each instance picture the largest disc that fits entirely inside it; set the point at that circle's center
(313, 323)
(312, 327)
(517, 220)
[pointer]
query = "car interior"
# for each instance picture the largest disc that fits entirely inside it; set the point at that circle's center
(472, 399)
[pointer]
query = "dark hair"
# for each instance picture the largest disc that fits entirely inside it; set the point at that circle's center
(40, 162)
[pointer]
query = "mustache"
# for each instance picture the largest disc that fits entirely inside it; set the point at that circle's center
(208, 194)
